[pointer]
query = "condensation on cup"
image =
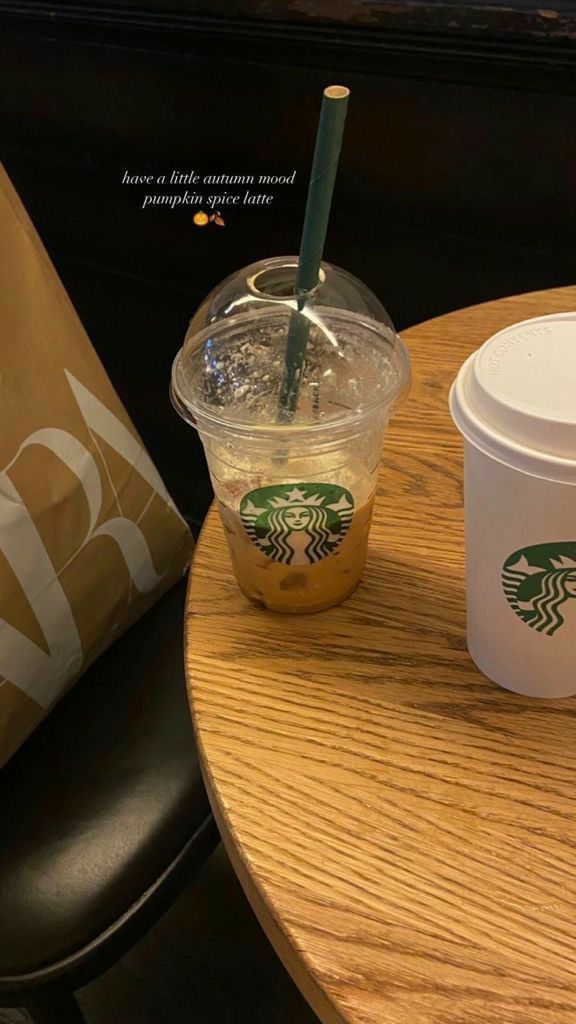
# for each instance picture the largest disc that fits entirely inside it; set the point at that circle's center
(514, 401)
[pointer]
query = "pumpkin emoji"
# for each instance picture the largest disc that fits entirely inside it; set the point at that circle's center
(200, 219)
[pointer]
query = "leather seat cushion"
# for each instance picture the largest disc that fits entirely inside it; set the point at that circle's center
(101, 798)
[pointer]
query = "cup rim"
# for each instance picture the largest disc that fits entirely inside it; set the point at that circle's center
(274, 264)
(194, 411)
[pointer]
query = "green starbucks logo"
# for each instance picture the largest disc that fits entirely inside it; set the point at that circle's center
(297, 524)
(539, 579)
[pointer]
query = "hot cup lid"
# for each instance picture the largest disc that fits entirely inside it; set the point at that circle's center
(515, 397)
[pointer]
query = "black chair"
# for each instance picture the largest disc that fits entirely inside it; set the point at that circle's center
(103, 819)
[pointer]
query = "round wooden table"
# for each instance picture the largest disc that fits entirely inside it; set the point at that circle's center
(403, 828)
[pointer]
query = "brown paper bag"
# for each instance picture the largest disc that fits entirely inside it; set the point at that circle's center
(89, 537)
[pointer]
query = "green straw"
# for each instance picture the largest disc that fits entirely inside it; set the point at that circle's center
(318, 203)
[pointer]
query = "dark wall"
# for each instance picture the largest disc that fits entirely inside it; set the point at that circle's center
(456, 184)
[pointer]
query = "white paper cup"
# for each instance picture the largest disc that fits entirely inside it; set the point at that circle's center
(514, 401)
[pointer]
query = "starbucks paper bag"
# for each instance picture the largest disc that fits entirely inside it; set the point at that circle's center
(89, 536)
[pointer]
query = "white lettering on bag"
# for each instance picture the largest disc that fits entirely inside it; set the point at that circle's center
(99, 419)
(44, 675)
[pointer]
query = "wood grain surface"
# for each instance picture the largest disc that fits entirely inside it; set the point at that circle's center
(403, 828)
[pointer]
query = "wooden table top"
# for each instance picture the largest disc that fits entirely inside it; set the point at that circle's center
(403, 828)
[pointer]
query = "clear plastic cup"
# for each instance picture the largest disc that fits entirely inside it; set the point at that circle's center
(514, 401)
(295, 498)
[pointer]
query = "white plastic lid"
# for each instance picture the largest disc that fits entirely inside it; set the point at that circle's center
(515, 397)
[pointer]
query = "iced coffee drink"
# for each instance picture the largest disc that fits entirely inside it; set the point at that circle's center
(295, 497)
(298, 547)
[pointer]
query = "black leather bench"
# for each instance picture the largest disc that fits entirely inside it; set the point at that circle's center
(103, 817)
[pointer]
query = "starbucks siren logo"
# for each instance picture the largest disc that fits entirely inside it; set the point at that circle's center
(297, 524)
(537, 580)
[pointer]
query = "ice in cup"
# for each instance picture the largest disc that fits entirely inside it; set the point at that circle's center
(514, 401)
(295, 498)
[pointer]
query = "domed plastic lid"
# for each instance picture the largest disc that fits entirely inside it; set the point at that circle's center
(515, 398)
(272, 281)
(233, 372)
